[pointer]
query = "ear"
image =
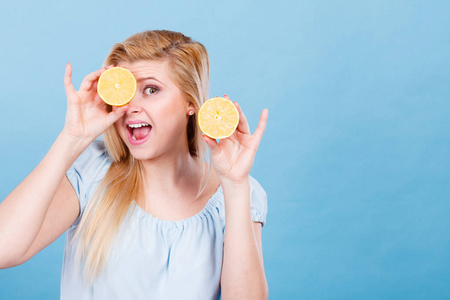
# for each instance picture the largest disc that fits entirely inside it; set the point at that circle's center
(190, 106)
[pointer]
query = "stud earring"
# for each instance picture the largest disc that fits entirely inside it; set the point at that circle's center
(191, 112)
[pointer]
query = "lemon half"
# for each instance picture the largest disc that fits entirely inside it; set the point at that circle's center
(218, 118)
(116, 86)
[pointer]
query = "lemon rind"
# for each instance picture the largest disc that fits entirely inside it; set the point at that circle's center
(220, 137)
(128, 100)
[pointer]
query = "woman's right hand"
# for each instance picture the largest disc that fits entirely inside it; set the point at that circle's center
(86, 116)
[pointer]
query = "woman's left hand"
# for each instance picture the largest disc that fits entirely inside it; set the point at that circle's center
(232, 158)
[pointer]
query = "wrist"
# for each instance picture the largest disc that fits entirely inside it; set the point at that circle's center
(236, 190)
(237, 198)
(75, 143)
(235, 184)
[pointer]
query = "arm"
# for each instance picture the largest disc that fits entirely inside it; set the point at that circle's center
(25, 209)
(243, 268)
(44, 204)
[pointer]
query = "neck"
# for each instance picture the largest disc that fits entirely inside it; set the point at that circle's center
(175, 175)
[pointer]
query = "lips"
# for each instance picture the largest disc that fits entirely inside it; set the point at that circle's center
(138, 131)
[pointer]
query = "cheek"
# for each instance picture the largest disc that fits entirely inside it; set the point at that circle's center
(179, 119)
(120, 130)
(173, 114)
(173, 127)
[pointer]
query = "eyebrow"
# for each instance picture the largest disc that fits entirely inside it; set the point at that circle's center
(150, 77)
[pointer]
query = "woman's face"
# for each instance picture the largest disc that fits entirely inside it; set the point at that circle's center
(160, 106)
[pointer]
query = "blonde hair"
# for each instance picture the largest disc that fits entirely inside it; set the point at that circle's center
(106, 211)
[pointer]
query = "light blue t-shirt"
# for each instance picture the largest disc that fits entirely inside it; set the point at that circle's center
(154, 258)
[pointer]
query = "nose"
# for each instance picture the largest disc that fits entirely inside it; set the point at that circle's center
(135, 106)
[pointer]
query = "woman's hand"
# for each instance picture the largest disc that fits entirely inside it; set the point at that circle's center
(232, 158)
(86, 116)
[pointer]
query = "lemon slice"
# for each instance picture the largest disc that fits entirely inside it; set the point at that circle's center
(116, 86)
(218, 118)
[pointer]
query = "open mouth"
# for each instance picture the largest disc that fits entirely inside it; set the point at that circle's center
(138, 133)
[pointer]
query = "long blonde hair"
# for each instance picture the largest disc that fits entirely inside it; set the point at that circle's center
(106, 210)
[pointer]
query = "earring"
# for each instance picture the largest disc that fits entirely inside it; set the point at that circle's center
(191, 112)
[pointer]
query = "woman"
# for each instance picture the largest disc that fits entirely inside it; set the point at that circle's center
(144, 212)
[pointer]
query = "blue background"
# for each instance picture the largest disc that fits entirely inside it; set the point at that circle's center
(355, 156)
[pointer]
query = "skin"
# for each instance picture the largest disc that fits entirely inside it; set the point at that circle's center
(171, 173)
(44, 205)
(243, 275)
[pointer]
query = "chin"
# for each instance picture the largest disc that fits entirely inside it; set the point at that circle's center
(142, 154)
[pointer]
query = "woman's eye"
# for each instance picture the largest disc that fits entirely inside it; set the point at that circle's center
(151, 90)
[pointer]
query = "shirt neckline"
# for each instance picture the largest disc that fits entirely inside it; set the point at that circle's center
(198, 216)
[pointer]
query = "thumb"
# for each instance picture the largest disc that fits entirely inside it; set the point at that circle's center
(116, 114)
(212, 144)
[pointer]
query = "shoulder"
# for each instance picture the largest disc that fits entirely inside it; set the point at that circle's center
(258, 201)
(89, 168)
(87, 171)
(258, 198)
(95, 151)
(92, 160)
(256, 188)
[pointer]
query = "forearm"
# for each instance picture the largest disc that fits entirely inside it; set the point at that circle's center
(23, 211)
(243, 270)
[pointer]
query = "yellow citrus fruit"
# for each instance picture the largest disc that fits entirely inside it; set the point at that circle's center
(218, 118)
(116, 86)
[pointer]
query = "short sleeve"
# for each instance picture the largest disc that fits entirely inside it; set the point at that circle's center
(258, 198)
(86, 173)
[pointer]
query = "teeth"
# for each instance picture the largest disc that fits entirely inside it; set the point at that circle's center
(138, 125)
